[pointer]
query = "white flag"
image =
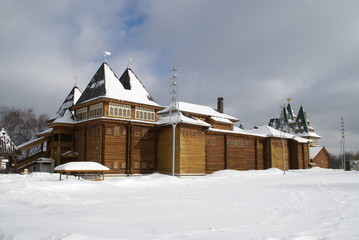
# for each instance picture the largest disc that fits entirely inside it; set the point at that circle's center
(107, 53)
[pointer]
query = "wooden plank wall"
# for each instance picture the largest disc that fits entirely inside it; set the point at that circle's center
(222, 126)
(80, 141)
(94, 143)
(321, 160)
(192, 148)
(215, 152)
(234, 152)
(143, 150)
(115, 147)
(306, 155)
(260, 161)
(240, 153)
(276, 156)
(164, 150)
(295, 160)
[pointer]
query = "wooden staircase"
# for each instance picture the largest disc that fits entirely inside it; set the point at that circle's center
(27, 162)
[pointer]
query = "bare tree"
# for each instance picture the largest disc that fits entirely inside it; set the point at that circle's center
(21, 124)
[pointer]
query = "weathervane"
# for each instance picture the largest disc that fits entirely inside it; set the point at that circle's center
(106, 53)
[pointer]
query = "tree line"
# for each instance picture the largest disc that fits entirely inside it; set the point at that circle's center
(335, 160)
(22, 124)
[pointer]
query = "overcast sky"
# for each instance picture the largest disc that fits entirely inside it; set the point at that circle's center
(254, 54)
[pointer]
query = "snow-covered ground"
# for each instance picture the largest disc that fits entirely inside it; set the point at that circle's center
(302, 205)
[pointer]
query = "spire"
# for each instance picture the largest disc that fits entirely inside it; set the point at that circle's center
(290, 112)
(131, 82)
(70, 100)
(103, 80)
(126, 88)
(302, 123)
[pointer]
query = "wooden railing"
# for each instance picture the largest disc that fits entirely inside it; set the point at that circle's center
(27, 162)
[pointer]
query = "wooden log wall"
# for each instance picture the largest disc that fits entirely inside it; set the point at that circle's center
(80, 143)
(276, 153)
(260, 153)
(215, 152)
(296, 161)
(240, 153)
(306, 157)
(164, 150)
(143, 149)
(192, 148)
(94, 143)
(115, 147)
(321, 160)
(61, 141)
(123, 147)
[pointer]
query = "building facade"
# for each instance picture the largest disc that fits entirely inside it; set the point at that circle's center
(117, 123)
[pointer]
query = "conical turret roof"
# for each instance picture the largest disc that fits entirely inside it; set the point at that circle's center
(302, 122)
(106, 84)
(70, 100)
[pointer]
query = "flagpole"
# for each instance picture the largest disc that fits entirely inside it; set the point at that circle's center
(106, 53)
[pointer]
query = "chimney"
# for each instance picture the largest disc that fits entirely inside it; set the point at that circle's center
(220, 104)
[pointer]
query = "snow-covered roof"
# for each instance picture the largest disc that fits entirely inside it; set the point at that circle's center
(81, 166)
(7, 147)
(313, 151)
(201, 110)
(235, 130)
(66, 118)
(45, 132)
(267, 131)
(165, 119)
(220, 119)
(106, 84)
(31, 142)
(70, 100)
(308, 134)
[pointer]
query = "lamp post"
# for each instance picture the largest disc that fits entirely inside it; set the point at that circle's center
(174, 111)
(342, 143)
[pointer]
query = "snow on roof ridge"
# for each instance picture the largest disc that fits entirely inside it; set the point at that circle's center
(202, 110)
(165, 119)
(269, 131)
(67, 117)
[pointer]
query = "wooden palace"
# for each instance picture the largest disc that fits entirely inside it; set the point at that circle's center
(116, 123)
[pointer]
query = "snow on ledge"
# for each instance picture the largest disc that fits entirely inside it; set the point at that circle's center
(81, 166)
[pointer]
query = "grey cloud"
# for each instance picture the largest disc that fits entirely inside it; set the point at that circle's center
(255, 54)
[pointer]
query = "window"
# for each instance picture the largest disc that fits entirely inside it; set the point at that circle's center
(81, 114)
(211, 141)
(109, 131)
(96, 110)
(117, 131)
(115, 165)
(193, 133)
(66, 137)
(145, 113)
(120, 110)
(185, 132)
